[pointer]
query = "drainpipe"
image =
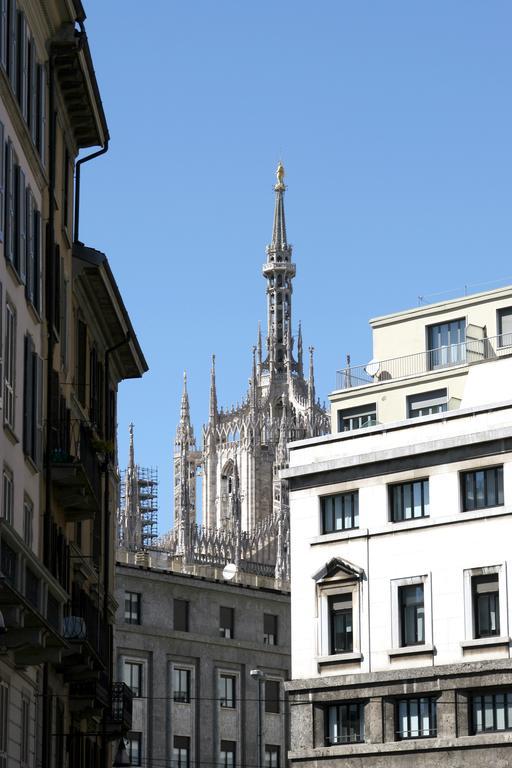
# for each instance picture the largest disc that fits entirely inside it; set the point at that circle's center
(78, 166)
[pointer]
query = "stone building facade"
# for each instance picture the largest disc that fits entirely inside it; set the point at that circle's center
(186, 646)
(400, 529)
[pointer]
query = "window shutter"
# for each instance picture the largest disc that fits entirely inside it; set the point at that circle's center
(41, 112)
(2, 181)
(29, 284)
(32, 90)
(56, 278)
(9, 203)
(3, 33)
(37, 259)
(22, 52)
(1, 343)
(12, 60)
(29, 394)
(22, 226)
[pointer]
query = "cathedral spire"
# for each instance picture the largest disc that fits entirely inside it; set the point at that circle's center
(131, 460)
(185, 432)
(299, 352)
(213, 394)
(279, 272)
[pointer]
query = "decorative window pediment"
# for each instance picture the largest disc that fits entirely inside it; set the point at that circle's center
(338, 569)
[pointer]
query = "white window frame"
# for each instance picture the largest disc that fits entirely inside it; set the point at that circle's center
(7, 494)
(469, 619)
(143, 674)
(396, 647)
(337, 583)
(225, 672)
(28, 521)
(191, 671)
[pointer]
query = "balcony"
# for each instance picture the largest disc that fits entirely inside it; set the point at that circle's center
(120, 720)
(75, 469)
(469, 352)
(31, 601)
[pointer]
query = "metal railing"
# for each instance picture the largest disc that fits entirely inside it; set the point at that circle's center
(465, 353)
(71, 441)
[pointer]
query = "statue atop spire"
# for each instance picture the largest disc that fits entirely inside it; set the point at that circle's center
(280, 176)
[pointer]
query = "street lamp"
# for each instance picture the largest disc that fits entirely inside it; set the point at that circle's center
(259, 675)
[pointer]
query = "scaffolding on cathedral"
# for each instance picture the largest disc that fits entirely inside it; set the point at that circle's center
(138, 505)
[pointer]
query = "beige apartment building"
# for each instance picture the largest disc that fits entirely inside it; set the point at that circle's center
(401, 520)
(66, 342)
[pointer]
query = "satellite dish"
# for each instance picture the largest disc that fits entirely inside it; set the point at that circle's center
(372, 368)
(229, 572)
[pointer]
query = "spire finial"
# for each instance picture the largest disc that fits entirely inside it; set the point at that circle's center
(132, 449)
(280, 176)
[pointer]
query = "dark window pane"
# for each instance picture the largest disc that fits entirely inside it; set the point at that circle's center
(181, 615)
(272, 690)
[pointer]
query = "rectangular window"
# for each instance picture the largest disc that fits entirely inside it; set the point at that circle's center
(25, 731)
(416, 718)
(227, 755)
(65, 189)
(132, 676)
(446, 344)
(181, 685)
(227, 691)
(4, 723)
(269, 629)
(28, 521)
(427, 403)
(32, 400)
(132, 603)
(180, 608)
(7, 495)
(41, 112)
(409, 500)
(482, 488)
(181, 752)
(134, 748)
(340, 512)
(412, 615)
(486, 605)
(272, 756)
(2, 175)
(345, 723)
(272, 691)
(357, 418)
(505, 327)
(340, 623)
(10, 365)
(227, 622)
(11, 161)
(491, 712)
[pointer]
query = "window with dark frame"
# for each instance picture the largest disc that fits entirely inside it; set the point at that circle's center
(133, 742)
(357, 418)
(132, 604)
(227, 691)
(272, 693)
(227, 755)
(9, 384)
(505, 327)
(180, 615)
(446, 344)
(340, 512)
(412, 614)
(133, 677)
(416, 718)
(482, 488)
(486, 605)
(340, 623)
(181, 685)
(408, 501)
(427, 403)
(491, 711)
(181, 752)
(269, 629)
(344, 723)
(81, 360)
(272, 756)
(226, 622)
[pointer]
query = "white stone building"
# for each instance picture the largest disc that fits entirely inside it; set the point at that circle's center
(401, 522)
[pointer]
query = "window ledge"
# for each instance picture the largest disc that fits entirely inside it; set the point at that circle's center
(485, 642)
(339, 658)
(348, 533)
(411, 650)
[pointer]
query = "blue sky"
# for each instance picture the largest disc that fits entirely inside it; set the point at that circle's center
(394, 122)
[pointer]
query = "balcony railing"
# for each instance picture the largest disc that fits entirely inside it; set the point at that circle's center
(466, 353)
(85, 623)
(76, 468)
(122, 705)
